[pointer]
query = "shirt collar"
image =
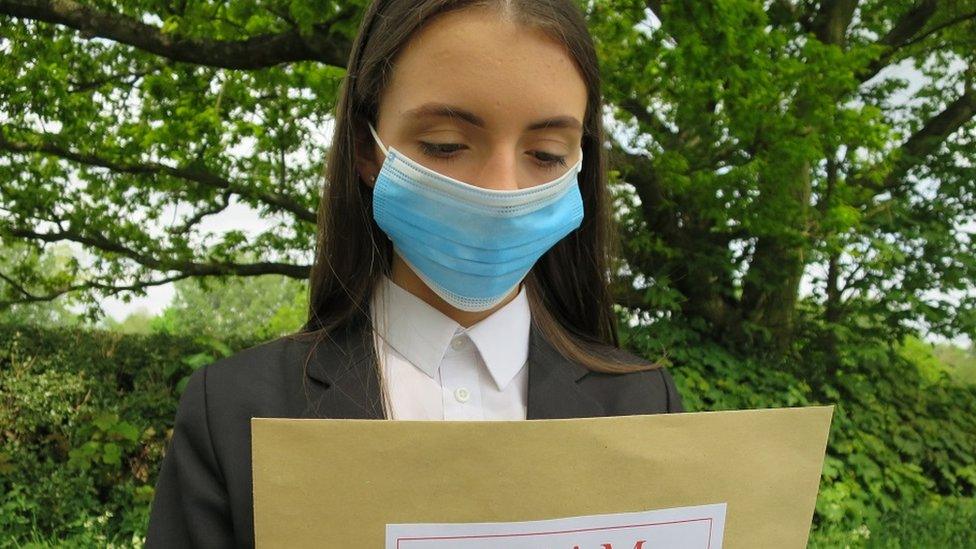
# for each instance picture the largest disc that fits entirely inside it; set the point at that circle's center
(422, 334)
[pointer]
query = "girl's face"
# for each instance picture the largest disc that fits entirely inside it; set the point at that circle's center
(483, 100)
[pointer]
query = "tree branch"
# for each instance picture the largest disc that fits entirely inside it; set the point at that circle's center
(198, 216)
(131, 79)
(921, 144)
(41, 144)
(110, 289)
(832, 21)
(928, 139)
(188, 268)
(252, 53)
(638, 111)
(941, 26)
(783, 13)
(657, 7)
(904, 29)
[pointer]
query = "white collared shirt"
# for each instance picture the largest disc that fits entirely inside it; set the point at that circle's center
(435, 369)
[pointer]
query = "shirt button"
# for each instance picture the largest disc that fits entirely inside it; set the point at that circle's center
(462, 394)
(457, 343)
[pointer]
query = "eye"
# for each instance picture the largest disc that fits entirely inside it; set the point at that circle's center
(549, 161)
(446, 151)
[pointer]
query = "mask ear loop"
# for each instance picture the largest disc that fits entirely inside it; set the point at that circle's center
(378, 306)
(377, 138)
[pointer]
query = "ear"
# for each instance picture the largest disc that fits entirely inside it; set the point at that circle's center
(367, 156)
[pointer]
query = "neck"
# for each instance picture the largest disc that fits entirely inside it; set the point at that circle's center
(404, 277)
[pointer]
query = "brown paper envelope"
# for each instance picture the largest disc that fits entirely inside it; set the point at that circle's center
(339, 482)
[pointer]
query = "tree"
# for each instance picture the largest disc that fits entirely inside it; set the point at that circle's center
(775, 141)
(782, 143)
(20, 260)
(139, 321)
(251, 308)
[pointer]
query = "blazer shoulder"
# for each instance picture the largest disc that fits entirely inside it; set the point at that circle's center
(640, 392)
(261, 360)
(260, 379)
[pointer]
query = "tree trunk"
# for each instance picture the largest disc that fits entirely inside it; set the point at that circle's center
(772, 284)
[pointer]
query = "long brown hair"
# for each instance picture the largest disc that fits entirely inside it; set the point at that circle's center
(569, 286)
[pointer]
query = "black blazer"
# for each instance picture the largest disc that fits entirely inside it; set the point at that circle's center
(204, 491)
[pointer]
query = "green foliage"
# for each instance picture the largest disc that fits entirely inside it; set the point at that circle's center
(922, 354)
(140, 321)
(27, 260)
(87, 416)
(935, 524)
(775, 149)
(896, 438)
(771, 140)
(959, 363)
(108, 438)
(769, 145)
(256, 308)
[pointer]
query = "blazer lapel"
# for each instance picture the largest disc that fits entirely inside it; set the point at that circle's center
(343, 363)
(554, 383)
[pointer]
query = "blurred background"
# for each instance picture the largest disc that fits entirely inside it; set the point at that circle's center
(795, 192)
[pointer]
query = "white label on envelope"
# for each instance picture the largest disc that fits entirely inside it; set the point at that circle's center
(695, 527)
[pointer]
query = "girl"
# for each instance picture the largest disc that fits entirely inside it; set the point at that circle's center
(462, 261)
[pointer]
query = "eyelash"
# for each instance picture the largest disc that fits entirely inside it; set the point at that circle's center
(435, 150)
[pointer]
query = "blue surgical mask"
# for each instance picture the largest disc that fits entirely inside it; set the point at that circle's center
(472, 246)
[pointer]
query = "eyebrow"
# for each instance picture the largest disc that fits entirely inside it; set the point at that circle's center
(450, 111)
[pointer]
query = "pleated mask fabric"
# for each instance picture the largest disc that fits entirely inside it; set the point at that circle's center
(472, 246)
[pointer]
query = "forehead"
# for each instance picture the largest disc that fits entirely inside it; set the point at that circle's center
(505, 72)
